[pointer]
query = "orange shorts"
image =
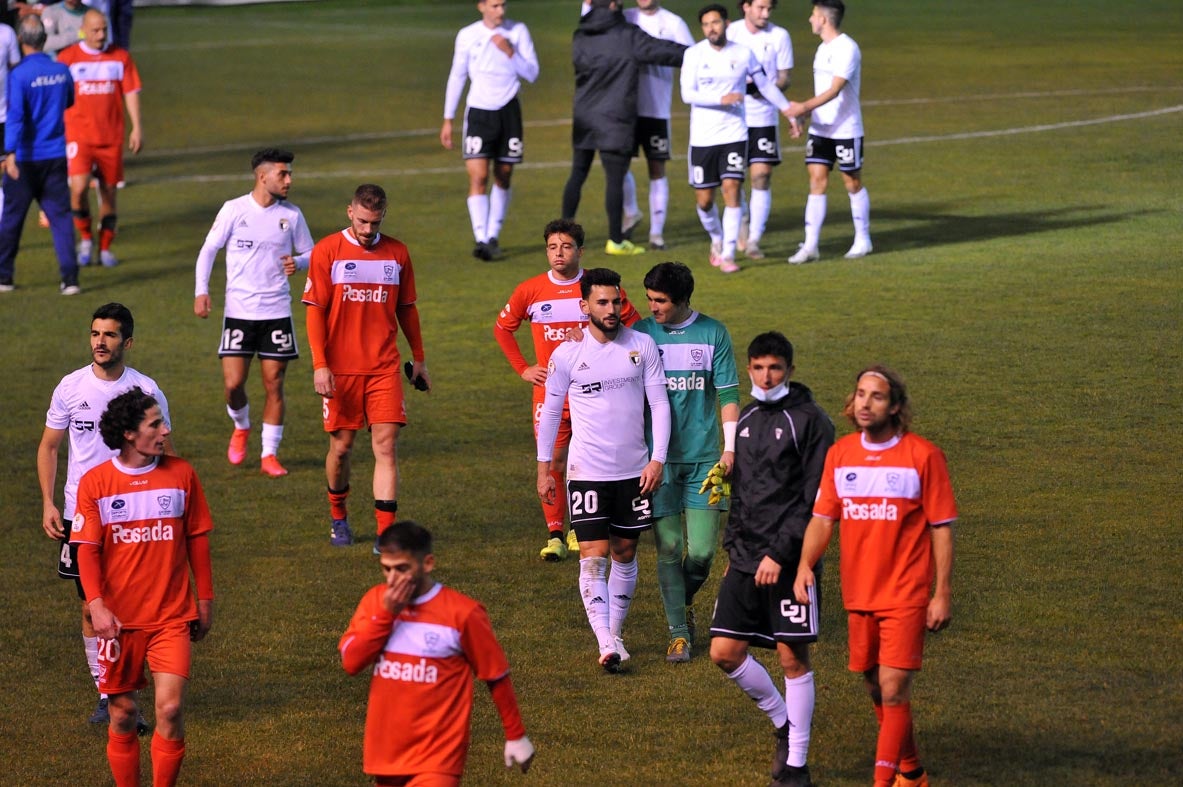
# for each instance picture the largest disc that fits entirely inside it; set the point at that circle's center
(419, 780)
(360, 399)
(121, 660)
(564, 437)
(894, 638)
(83, 158)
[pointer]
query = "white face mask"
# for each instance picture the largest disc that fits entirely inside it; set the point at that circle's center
(773, 395)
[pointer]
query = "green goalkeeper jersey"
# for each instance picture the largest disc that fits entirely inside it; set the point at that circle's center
(699, 376)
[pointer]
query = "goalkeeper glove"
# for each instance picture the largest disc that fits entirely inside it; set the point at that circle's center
(520, 753)
(718, 484)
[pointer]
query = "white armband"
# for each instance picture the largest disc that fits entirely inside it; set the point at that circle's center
(729, 436)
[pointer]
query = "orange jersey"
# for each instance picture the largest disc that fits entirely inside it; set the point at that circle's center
(101, 80)
(551, 307)
(886, 496)
(360, 290)
(420, 706)
(142, 519)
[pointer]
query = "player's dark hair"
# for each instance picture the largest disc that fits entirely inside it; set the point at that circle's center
(564, 227)
(706, 9)
(272, 156)
(597, 277)
(834, 9)
(120, 314)
(604, 3)
(672, 278)
(744, 3)
(31, 32)
(406, 536)
(772, 343)
(370, 197)
(125, 413)
(898, 397)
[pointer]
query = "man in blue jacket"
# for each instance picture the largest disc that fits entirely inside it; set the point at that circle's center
(39, 91)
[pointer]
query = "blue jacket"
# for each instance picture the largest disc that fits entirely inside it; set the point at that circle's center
(39, 92)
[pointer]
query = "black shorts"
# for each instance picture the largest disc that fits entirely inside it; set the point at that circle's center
(274, 339)
(764, 145)
(710, 165)
(847, 153)
(494, 133)
(763, 616)
(602, 508)
(68, 560)
(653, 137)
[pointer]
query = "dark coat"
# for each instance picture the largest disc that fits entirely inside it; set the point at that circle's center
(608, 53)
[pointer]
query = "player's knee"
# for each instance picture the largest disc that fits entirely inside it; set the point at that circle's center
(725, 656)
(169, 714)
(761, 181)
(122, 708)
(82, 212)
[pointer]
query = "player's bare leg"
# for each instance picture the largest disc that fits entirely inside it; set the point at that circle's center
(478, 205)
(123, 745)
(337, 466)
(384, 439)
(860, 214)
(235, 370)
(273, 373)
(80, 207)
(168, 744)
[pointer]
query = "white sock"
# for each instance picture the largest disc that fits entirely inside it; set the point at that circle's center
(272, 435)
(241, 418)
(759, 209)
(659, 202)
(630, 195)
(478, 214)
(622, 584)
(860, 212)
(757, 684)
(92, 657)
(593, 587)
(710, 223)
(498, 205)
(815, 216)
(799, 697)
(731, 221)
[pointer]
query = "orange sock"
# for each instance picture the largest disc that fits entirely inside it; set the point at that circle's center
(385, 512)
(166, 760)
(909, 757)
(556, 512)
(123, 754)
(106, 236)
(83, 227)
(896, 727)
(337, 507)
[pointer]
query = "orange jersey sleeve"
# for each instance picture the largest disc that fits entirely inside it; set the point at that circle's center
(101, 80)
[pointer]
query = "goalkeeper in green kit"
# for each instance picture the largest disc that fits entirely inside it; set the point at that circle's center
(700, 381)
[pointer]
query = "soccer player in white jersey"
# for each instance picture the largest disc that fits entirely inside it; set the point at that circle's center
(715, 73)
(260, 231)
(655, 89)
(495, 54)
(774, 50)
(835, 131)
(606, 377)
(74, 409)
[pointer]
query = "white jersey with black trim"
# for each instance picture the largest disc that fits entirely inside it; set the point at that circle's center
(495, 77)
(76, 406)
(655, 84)
(841, 118)
(606, 386)
(708, 74)
(255, 238)
(774, 51)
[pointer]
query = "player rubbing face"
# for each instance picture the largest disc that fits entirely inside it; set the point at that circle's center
(276, 177)
(873, 410)
(768, 371)
(364, 223)
(492, 12)
(714, 29)
(664, 310)
(563, 255)
(602, 308)
(107, 343)
(149, 438)
(756, 14)
(403, 568)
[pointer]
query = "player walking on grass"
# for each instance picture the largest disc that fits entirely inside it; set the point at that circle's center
(142, 526)
(424, 642)
(835, 131)
(606, 377)
(550, 303)
(496, 54)
(78, 402)
(779, 453)
(699, 372)
(360, 292)
(889, 491)
(259, 231)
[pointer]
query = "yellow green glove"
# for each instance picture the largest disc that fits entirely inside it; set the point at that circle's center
(717, 483)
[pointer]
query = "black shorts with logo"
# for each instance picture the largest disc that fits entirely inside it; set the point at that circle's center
(602, 508)
(494, 133)
(653, 137)
(847, 153)
(766, 615)
(274, 339)
(764, 145)
(710, 165)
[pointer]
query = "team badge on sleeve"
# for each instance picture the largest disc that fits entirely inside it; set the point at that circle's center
(79, 520)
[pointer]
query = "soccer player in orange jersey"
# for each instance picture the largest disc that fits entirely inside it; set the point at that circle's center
(550, 303)
(424, 642)
(141, 526)
(890, 490)
(105, 80)
(360, 292)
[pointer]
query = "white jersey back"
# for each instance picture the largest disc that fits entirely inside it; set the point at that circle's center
(605, 389)
(10, 55)
(77, 404)
(774, 53)
(708, 74)
(841, 118)
(655, 85)
(254, 238)
(495, 77)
